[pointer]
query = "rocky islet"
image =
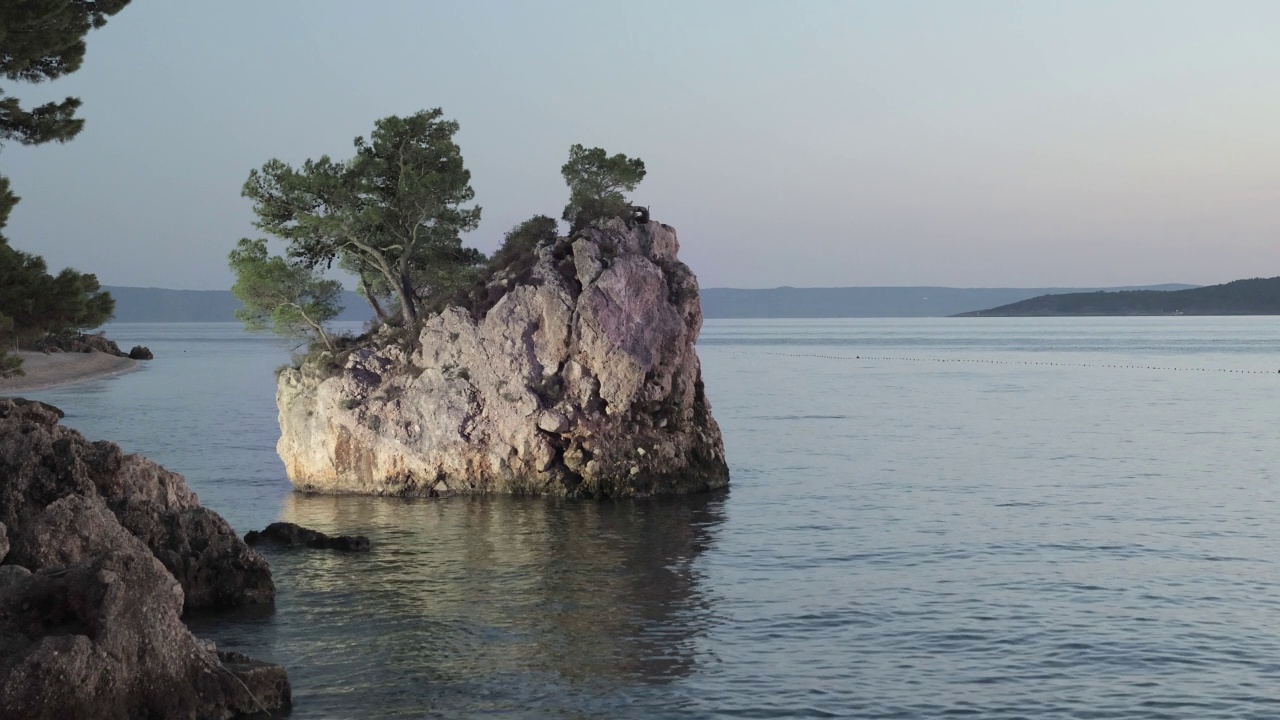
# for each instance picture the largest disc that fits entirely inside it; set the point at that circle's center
(581, 380)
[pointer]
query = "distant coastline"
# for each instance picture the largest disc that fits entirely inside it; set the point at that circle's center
(1256, 296)
(161, 305)
(56, 369)
(146, 305)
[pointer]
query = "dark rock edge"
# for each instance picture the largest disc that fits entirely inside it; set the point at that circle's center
(100, 554)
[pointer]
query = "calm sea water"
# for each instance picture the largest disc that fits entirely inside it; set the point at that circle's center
(980, 517)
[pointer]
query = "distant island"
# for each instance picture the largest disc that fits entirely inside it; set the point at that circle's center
(146, 305)
(160, 305)
(867, 302)
(1256, 296)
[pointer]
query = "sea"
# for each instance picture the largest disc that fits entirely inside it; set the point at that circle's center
(928, 518)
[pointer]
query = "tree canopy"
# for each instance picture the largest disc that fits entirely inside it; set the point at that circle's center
(393, 214)
(35, 303)
(43, 40)
(287, 297)
(597, 182)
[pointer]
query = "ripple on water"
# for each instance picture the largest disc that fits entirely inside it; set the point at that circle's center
(902, 540)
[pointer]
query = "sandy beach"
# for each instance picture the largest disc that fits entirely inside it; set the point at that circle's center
(44, 371)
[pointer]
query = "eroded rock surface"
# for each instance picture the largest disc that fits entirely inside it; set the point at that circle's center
(90, 611)
(43, 462)
(581, 380)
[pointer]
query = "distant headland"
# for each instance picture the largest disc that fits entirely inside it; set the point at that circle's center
(1256, 296)
(146, 305)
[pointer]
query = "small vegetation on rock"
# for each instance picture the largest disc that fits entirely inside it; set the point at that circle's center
(597, 182)
(393, 216)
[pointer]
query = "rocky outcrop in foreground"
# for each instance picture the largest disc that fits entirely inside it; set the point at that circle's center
(102, 551)
(581, 380)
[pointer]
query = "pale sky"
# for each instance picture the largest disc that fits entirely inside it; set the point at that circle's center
(805, 143)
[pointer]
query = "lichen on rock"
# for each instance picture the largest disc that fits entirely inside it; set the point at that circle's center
(581, 380)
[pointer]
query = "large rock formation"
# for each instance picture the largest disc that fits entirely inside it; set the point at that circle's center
(581, 380)
(101, 552)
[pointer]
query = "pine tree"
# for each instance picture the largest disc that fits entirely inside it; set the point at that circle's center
(393, 213)
(43, 40)
(596, 182)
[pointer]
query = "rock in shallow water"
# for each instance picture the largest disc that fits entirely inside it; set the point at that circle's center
(284, 533)
(583, 362)
(90, 611)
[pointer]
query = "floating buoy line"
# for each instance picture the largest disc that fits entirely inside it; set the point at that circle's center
(974, 361)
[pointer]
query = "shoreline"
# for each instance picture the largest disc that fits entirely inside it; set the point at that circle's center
(67, 368)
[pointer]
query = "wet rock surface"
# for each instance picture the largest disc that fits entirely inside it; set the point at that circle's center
(101, 553)
(580, 380)
(141, 352)
(291, 535)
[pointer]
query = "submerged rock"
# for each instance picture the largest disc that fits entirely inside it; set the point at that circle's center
(284, 533)
(581, 380)
(101, 553)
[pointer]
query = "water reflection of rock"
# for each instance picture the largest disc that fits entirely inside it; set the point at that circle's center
(464, 589)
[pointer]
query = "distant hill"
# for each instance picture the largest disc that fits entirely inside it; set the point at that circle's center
(790, 302)
(140, 305)
(1258, 296)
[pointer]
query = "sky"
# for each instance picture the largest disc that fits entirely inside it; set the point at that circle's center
(804, 143)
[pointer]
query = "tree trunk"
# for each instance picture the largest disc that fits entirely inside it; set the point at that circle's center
(324, 336)
(377, 308)
(408, 302)
(373, 300)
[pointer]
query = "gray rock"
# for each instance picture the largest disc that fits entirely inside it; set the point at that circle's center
(43, 462)
(90, 616)
(78, 342)
(601, 335)
(216, 568)
(103, 639)
(553, 422)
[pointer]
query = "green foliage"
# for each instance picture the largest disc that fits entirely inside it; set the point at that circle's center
(393, 213)
(372, 285)
(597, 182)
(287, 297)
(512, 263)
(39, 303)
(7, 201)
(10, 365)
(520, 243)
(43, 40)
